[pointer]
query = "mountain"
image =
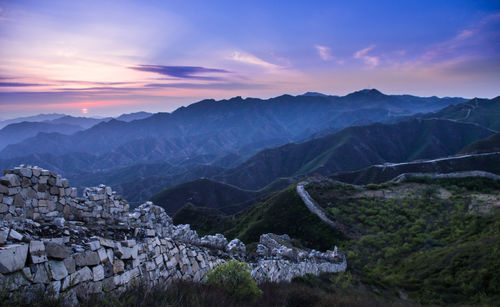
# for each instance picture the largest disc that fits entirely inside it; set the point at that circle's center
(354, 148)
(491, 144)
(35, 118)
(133, 116)
(423, 237)
(484, 112)
(17, 132)
(489, 162)
(221, 127)
(203, 193)
(84, 122)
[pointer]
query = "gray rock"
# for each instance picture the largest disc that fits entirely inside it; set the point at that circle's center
(56, 251)
(13, 257)
(88, 258)
(98, 272)
(236, 247)
(10, 180)
(14, 235)
(57, 270)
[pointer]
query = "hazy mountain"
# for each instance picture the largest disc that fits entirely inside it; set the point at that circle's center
(35, 118)
(484, 112)
(354, 148)
(230, 124)
(17, 132)
(203, 193)
(490, 144)
(381, 173)
(133, 116)
(85, 122)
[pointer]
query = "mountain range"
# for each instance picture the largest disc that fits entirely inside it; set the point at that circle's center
(252, 143)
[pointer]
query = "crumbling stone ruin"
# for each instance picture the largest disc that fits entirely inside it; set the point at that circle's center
(55, 242)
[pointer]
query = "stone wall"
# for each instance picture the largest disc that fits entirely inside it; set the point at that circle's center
(53, 241)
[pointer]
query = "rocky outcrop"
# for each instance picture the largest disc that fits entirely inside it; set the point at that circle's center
(53, 241)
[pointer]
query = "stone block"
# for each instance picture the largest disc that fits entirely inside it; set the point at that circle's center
(87, 258)
(118, 266)
(57, 270)
(56, 251)
(10, 180)
(13, 257)
(70, 265)
(98, 272)
(14, 235)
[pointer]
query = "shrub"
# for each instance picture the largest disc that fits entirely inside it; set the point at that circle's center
(234, 277)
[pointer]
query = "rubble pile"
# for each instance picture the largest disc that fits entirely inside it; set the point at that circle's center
(55, 242)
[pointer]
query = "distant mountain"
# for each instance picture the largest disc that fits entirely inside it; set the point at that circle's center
(313, 94)
(484, 112)
(489, 162)
(35, 118)
(354, 148)
(84, 122)
(203, 193)
(133, 116)
(221, 127)
(17, 132)
(490, 144)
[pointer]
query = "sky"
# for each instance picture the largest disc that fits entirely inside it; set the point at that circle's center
(104, 58)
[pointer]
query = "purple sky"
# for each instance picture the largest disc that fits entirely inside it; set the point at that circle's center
(113, 57)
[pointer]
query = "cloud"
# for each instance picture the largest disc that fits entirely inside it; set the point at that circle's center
(324, 52)
(182, 72)
(18, 84)
(221, 86)
(369, 60)
(252, 59)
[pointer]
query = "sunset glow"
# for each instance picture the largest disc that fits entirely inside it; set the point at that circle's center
(156, 56)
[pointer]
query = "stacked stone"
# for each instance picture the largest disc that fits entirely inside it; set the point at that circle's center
(104, 207)
(33, 193)
(52, 241)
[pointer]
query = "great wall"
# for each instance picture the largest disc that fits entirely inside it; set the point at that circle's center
(63, 245)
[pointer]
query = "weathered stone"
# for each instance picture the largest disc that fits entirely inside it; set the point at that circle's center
(118, 266)
(37, 252)
(88, 258)
(57, 270)
(10, 180)
(40, 274)
(14, 235)
(98, 272)
(56, 251)
(13, 257)
(70, 265)
(103, 256)
(94, 245)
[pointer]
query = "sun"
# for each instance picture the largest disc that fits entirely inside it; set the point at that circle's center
(85, 110)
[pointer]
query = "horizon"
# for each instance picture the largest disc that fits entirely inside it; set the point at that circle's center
(114, 115)
(105, 59)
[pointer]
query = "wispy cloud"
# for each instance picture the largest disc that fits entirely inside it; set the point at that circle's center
(369, 60)
(182, 72)
(18, 84)
(324, 52)
(248, 58)
(218, 86)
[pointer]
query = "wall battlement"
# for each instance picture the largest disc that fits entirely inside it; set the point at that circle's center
(53, 241)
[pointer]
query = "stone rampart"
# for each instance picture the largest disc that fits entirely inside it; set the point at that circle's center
(53, 241)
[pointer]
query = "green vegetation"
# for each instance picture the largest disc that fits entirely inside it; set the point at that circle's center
(234, 277)
(433, 248)
(490, 144)
(283, 213)
(420, 240)
(189, 294)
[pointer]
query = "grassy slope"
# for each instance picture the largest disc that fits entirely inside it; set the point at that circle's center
(422, 245)
(490, 144)
(431, 248)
